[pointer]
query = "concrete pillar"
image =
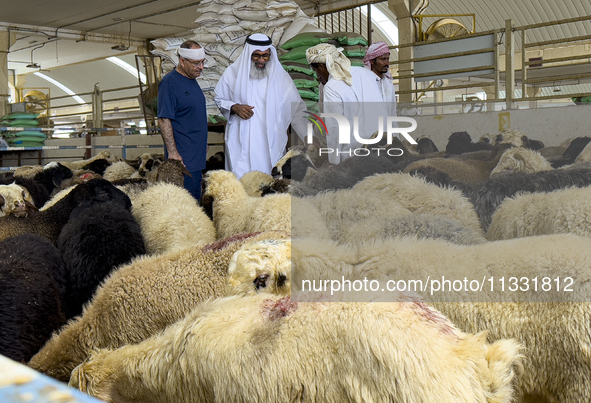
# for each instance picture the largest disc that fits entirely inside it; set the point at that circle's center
(406, 34)
(6, 40)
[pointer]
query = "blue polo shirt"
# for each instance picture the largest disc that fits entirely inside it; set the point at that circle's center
(181, 100)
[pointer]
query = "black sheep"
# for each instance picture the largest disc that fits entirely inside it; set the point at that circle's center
(346, 174)
(293, 165)
(487, 196)
(97, 166)
(461, 142)
(426, 146)
(98, 238)
(492, 193)
(42, 185)
(33, 289)
(215, 162)
(49, 223)
(572, 152)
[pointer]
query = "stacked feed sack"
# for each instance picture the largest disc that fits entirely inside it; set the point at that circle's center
(28, 134)
(354, 46)
(294, 61)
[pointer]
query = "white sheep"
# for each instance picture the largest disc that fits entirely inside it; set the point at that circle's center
(341, 209)
(266, 348)
(253, 181)
(510, 136)
(15, 200)
(119, 170)
(555, 333)
(415, 225)
(171, 219)
(564, 211)
(521, 159)
(235, 212)
(420, 197)
(28, 171)
(81, 163)
(140, 299)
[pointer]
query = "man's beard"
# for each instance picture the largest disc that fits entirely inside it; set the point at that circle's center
(258, 73)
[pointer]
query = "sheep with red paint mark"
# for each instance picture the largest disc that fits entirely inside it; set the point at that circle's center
(267, 348)
(139, 300)
(555, 334)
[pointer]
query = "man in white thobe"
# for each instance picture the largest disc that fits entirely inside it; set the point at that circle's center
(348, 91)
(259, 99)
(377, 59)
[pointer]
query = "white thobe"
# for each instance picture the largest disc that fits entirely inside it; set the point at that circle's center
(363, 100)
(388, 94)
(259, 142)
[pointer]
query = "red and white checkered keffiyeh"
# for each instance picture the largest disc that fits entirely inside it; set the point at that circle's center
(375, 50)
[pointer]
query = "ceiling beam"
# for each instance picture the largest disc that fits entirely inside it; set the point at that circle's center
(78, 36)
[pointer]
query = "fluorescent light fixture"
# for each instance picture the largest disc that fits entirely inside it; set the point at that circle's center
(128, 67)
(385, 24)
(61, 86)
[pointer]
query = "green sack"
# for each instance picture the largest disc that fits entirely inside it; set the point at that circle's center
(354, 51)
(26, 133)
(356, 62)
(294, 66)
(26, 144)
(350, 38)
(295, 54)
(303, 80)
(305, 84)
(21, 115)
(25, 139)
(307, 39)
(312, 106)
(308, 94)
(23, 123)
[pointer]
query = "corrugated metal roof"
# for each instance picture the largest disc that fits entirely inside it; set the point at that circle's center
(492, 15)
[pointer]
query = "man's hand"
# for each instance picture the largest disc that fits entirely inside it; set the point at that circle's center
(176, 156)
(243, 111)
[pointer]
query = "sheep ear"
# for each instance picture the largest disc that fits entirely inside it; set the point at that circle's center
(185, 171)
(519, 157)
(2, 201)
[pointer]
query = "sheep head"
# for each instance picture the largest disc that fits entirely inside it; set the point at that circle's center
(172, 171)
(293, 165)
(15, 200)
(222, 183)
(521, 160)
(263, 266)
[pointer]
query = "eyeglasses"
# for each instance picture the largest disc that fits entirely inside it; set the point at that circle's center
(265, 56)
(196, 64)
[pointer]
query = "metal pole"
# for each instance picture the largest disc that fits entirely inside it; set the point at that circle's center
(509, 65)
(97, 108)
(369, 23)
(497, 67)
(524, 67)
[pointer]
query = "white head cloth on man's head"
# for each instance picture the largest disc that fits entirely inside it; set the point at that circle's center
(237, 85)
(191, 54)
(336, 62)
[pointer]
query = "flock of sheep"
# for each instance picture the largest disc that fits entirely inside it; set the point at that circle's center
(114, 279)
